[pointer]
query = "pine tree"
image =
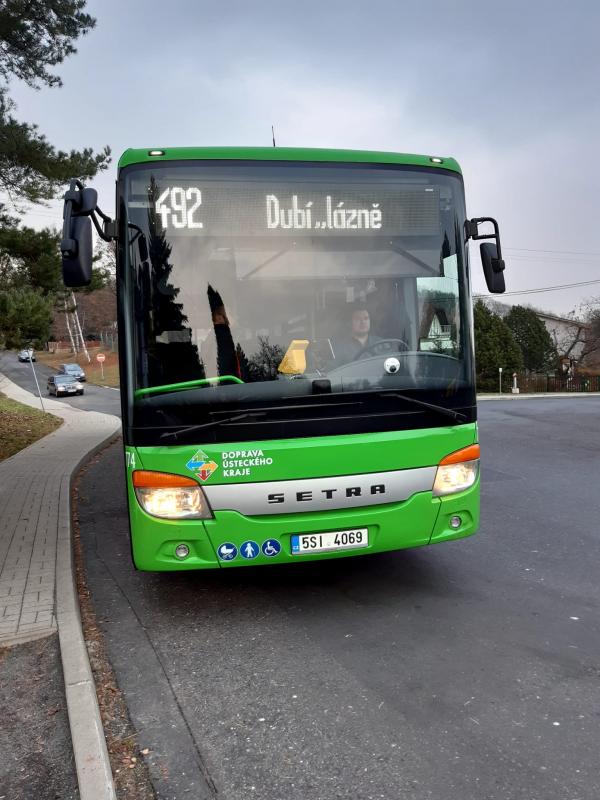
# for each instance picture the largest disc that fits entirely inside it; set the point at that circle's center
(30, 258)
(532, 336)
(36, 35)
(495, 347)
(25, 317)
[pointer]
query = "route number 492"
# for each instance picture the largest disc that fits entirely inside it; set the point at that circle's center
(177, 207)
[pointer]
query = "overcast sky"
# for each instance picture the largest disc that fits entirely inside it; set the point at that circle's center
(510, 89)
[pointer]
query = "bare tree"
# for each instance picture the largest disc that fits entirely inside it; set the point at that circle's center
(577, 336)
(106, 260)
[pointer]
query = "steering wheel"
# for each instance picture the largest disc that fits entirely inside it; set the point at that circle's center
(387, 347)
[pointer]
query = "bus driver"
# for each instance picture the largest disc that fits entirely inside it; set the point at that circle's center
(348, 348)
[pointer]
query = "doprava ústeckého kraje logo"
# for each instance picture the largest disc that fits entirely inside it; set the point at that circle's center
(202, 465)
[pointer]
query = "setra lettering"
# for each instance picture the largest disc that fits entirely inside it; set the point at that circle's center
(306, 496)
(328, 493)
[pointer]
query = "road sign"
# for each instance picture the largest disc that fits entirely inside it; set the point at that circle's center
(100, 357)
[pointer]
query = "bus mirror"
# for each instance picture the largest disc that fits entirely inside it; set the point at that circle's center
(88, 202)
(491, 254)
(493, 268)
(83, 200)
(77, 253)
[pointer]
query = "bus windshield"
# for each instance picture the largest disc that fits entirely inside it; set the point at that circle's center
(295, 291)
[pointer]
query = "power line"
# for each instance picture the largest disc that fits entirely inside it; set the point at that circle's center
(558, 252)
(545, 289)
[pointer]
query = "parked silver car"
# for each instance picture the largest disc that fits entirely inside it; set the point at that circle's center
(61, 385)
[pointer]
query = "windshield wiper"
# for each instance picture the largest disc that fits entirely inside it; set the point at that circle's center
(213, 424)
(259, 412)
(447, 412)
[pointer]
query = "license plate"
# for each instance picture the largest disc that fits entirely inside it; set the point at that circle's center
(333, 540)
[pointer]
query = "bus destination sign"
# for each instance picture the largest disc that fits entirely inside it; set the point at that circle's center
(246, 211)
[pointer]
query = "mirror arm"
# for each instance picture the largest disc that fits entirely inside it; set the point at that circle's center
(471, 229)
(472, 232)
(109, 231)
(99, 230)
(75, 205)
(101, 214)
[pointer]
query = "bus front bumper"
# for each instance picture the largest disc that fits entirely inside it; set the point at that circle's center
(420, 520)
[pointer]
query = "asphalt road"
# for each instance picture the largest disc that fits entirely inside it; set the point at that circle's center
(465, 671)
(95, 398)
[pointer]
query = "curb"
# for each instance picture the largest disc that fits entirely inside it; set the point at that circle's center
(537, 396)
(94, 774)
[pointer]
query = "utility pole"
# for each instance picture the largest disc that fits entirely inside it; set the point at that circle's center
(68, 324)
(30, 351)
(76, 315)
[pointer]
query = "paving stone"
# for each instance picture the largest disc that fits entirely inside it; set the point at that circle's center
(38, 609)
(11, 616)
(36, 627)
(8, 631)
(9, 611)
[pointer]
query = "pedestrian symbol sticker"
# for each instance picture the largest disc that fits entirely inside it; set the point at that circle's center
(271, 548)
(249, 550)
(227, 551)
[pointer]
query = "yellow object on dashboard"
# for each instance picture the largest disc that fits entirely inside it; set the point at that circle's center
(294, 360)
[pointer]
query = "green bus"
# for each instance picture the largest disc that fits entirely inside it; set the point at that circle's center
(296, 351)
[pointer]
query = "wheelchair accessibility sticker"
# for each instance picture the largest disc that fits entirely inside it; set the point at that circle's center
(271, 548)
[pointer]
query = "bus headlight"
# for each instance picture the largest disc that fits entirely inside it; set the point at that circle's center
(457, 471)
(169, 496)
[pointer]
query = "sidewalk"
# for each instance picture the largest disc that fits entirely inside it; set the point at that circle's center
(37, 592)
(32, 489)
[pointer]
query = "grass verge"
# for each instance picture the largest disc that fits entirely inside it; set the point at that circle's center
(22, 425)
